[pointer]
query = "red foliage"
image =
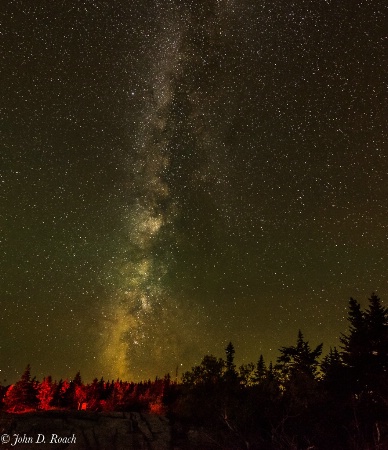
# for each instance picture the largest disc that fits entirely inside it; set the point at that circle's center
(27, 395)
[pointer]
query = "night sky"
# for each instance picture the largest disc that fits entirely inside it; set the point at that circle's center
(176, 175)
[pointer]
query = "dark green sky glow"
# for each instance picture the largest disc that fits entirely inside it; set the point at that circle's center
(179, 174)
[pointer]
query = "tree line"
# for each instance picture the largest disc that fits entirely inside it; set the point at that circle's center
(302, 401)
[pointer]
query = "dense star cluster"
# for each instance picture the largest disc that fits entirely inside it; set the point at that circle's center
(181, 174)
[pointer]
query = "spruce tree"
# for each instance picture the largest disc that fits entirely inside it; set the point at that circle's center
(298, 366)
(365, 347)
(354, 345)
(230, 375)
(22, 395)
(46, 391)
(261, 370)
(376, 318)
(334, 374)
(299, 359)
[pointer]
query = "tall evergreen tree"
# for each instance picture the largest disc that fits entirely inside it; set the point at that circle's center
(334, 374)
(299, 359)
(46, 391)
(376, 318)
(261, 370)
(77, 380)
(298, 366)
(365, 347)
(22, 395)
(230, 357)
(331, 364)
(354, 344)
(230, 372)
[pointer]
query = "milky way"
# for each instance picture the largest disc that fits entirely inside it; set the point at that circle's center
(146, 316)
(149, 318)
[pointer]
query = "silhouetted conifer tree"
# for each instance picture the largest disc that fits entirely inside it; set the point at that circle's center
(261, 370)
(365, 347)
(299, 359)
(334, 374)
(59, 389)
(230, 368)
(298, 365)
(355, 346)
(376, 318)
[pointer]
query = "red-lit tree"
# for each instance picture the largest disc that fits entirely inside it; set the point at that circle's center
(45, 395)
(22, 395)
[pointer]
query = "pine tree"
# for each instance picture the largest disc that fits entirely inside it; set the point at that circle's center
(331, 363)
(76, 394)
(354, 345)
(230, 372)
(334, 374)
(22, 395)
(46, 391)
(77, 380)
(376, 318)
(271, 372)
(93, 395)
(261, 370)
(298, 366)
(299, 359)
(365, 347)
(230, 367)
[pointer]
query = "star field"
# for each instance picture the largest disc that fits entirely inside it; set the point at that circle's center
(178, 175)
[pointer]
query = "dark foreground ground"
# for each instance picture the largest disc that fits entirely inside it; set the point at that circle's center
(75, 430)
